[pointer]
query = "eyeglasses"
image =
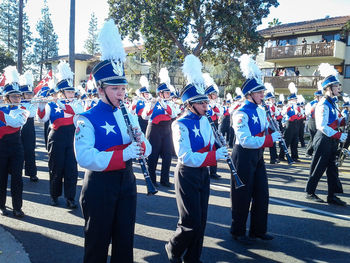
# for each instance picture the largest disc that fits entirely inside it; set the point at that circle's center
(202, 102)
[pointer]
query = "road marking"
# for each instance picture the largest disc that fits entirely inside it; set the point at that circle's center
(304, 208)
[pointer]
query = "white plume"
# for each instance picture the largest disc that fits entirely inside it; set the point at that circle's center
(192, 69)
(64, 71)
(172, 88)
(319, 85)
(238, 91)
(326, 70)
(281, 97)
(110, 42)
(269, 88)
(26, 79)
(249, 68)
(292, 88)
(11, 74)
(300, 99)
(144, 82)
(164, 76)
(90, 84)
(209, 81)
(228, 96)
(346, 99)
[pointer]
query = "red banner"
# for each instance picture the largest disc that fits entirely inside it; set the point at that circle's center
(44, 82)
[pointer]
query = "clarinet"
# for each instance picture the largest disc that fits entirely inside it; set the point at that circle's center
(151, 190)
(220, 141)
(276, 127)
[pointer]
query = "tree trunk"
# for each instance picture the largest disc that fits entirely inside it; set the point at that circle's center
(20, 38)
(72, 36)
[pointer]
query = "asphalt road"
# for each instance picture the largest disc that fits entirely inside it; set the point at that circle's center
(304, 231)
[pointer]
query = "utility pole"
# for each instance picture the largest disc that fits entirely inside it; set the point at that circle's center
(72, 36)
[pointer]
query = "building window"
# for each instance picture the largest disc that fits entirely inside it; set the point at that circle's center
(331, 37)
(347, 72)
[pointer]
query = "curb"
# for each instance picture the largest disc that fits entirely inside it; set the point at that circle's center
(11, 251)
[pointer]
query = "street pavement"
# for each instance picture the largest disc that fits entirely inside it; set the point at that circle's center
(304, 231)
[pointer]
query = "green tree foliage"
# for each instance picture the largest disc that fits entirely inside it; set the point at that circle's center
(5, 59)
(46, 45)
(91, 44)
(274, 22)
(193, 26)
(9, 29)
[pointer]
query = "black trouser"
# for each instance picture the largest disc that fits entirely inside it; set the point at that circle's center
(273, 152)
(28, 141)
(224, 127)
(62, 163)
(108, 201)
(143, 124)
(251, 169)
(213, 169)
(232, 137)
(301, 132)
(291, 138)
(324, 161)
(11, 162)
(160, 137)
(192, 196)
(46, 132)
(311, 126)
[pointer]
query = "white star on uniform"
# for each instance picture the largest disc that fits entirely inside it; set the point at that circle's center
(255, 119)
(333, 111)
(109, 128)
(196, 131)
(159, 107)
(58, 109)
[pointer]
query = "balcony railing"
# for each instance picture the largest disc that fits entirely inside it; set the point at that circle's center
(302, 82)
(295, 51)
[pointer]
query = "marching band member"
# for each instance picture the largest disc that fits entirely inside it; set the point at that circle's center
(159, 113)
(104, 147)
(194, 145)
(93, 96)
(270, 102)
(139, 104)
(311, 124)
(291, 133)
(250, 124)
(62, 163)
(12, 118)
(302, 117)
(214, 110)
(238, 101)
(325, 142)
(224, 126)
(28, 130)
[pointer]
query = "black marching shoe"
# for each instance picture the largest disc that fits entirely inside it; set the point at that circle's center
(54, 201)
(34, 179)
(273, 161)
(215, 176)
(71, 204)
(3, 211)
(265, 237)
(166, 184)
(18, 213)
(244, 240)
(334, 200)
(314, 197)
(171, 257)
(296, 160)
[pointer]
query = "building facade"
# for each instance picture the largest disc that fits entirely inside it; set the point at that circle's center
(293, 52)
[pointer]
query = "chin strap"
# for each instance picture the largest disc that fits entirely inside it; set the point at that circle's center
(191, 104)
(109, 101)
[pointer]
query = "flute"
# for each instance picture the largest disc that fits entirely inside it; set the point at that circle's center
(151, 190)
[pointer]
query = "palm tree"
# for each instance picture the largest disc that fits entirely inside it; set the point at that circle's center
(274, 22)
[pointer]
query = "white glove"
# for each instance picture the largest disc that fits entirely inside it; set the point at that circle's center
(131, 152)
(276, 136)
(221, 153)
(343, 137)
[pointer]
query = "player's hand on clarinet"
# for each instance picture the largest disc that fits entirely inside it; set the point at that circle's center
(133, 151)
(221, 153)
(276, 136)
(343, 137)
